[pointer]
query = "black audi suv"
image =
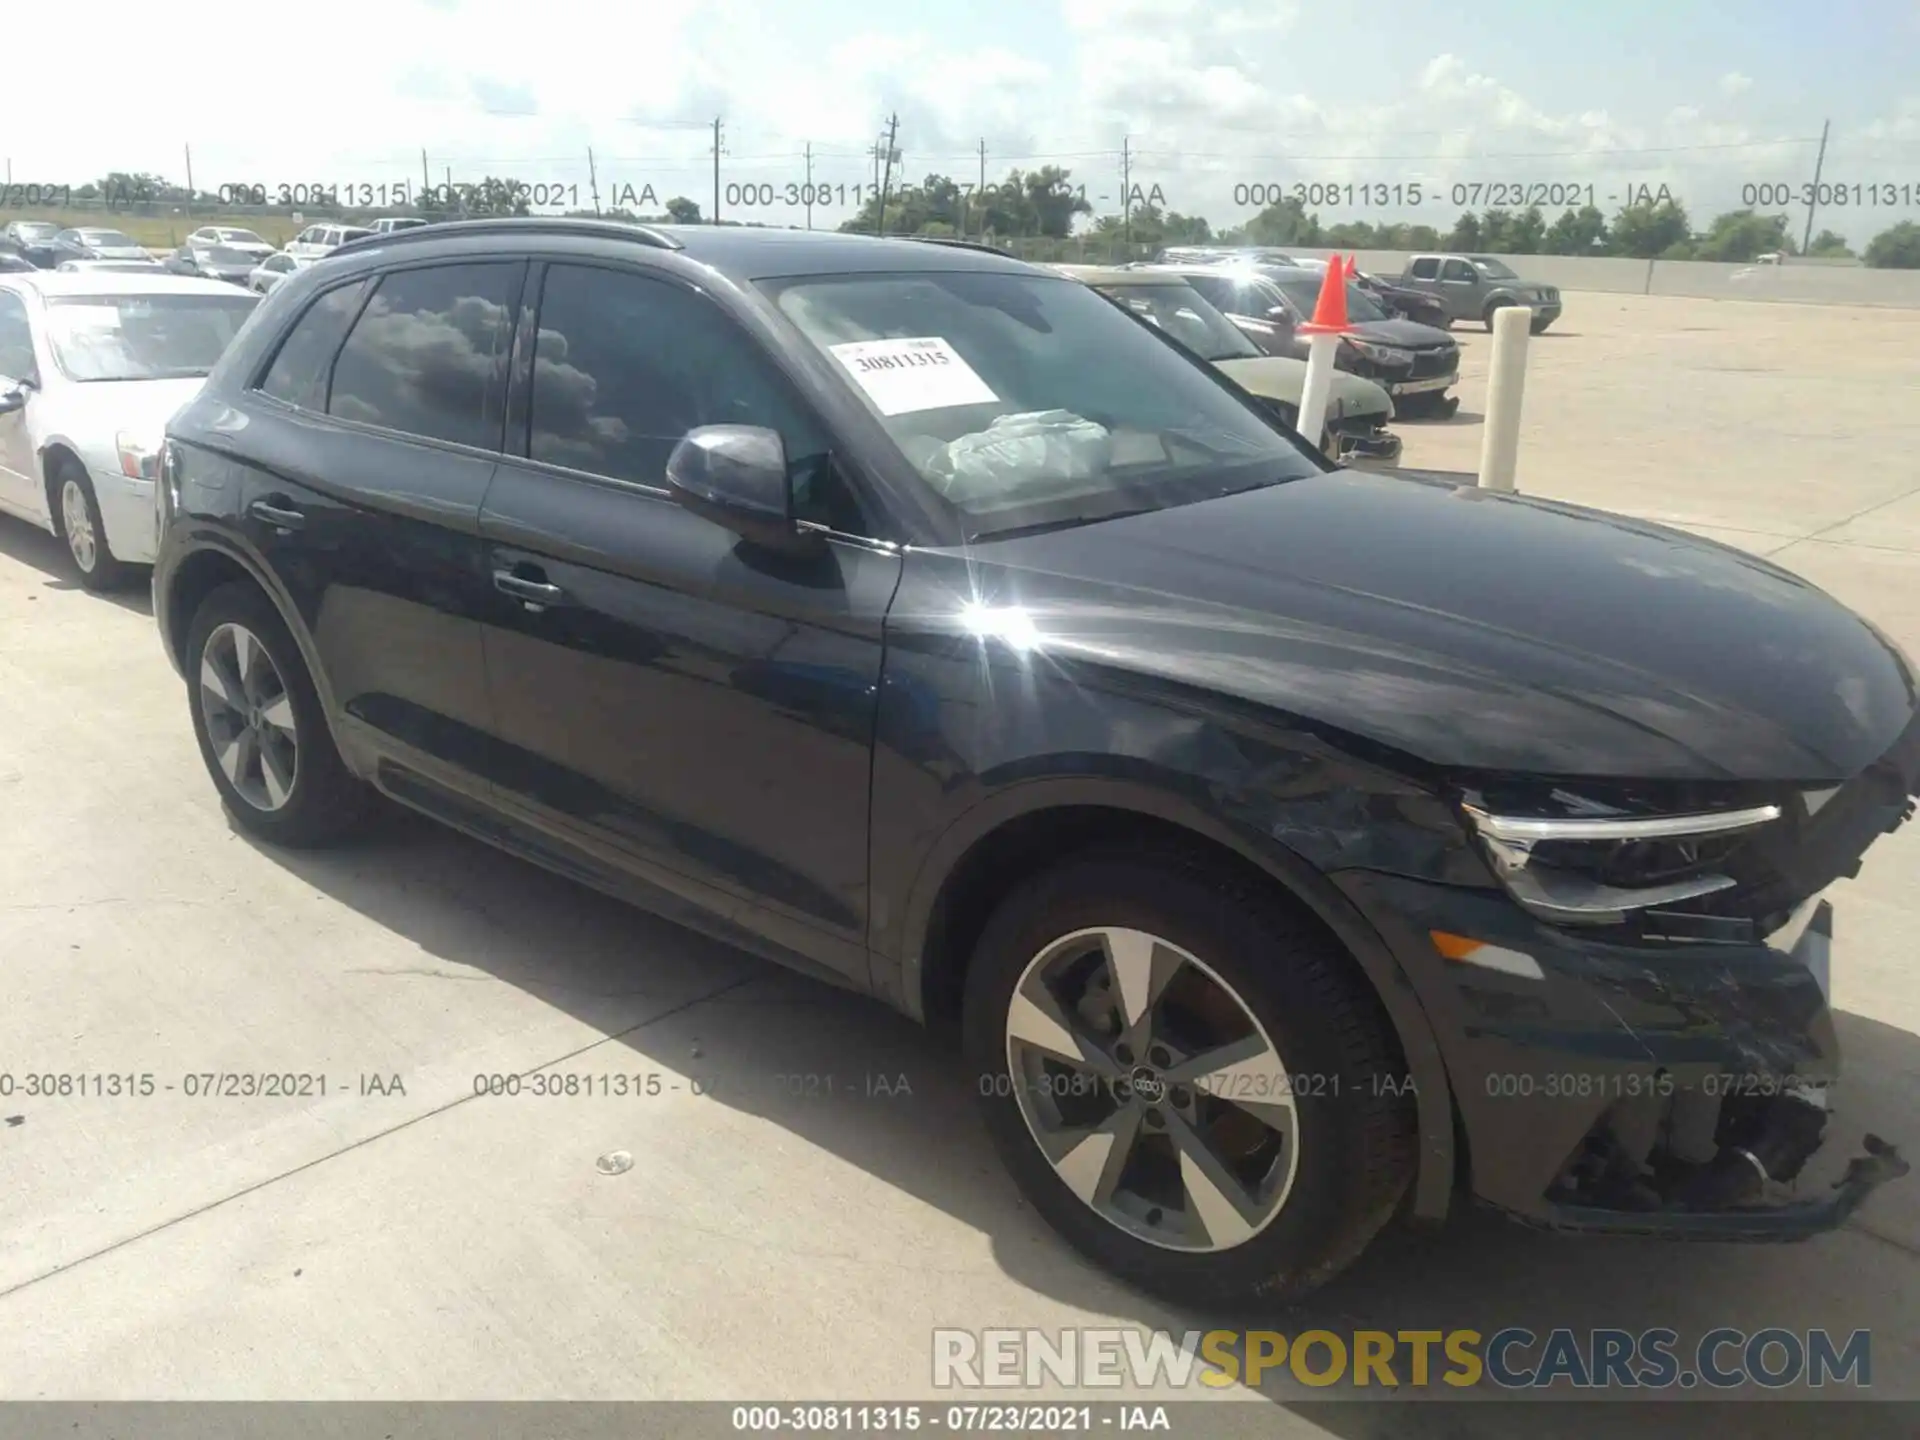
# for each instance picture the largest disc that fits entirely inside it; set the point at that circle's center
(1290, 847)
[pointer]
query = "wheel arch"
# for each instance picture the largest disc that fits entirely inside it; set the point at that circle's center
(207, 566)
(998, 842)
(54, 452)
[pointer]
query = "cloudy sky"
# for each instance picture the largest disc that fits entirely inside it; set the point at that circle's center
(1207, 95)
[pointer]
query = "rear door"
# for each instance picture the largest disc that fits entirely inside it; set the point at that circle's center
(689, 713)
(378, 437)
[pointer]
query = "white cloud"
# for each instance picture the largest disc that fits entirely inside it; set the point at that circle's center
(1205, 93)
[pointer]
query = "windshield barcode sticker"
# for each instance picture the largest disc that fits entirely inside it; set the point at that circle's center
(924, 373)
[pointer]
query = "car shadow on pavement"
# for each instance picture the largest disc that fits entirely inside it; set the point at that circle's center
(38, 550)
(848, 1075)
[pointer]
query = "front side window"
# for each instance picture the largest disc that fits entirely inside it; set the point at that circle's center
(427, 354)
(299, 371)
(16, 338)
(143, 337)
(1456, 270)
(625, 366)
(1027, 401)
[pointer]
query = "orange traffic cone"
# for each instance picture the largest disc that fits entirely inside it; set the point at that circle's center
(1330, 310)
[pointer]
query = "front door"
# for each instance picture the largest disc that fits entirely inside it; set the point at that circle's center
(19, 487)
(699, 715)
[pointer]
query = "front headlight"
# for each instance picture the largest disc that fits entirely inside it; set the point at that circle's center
(139, 460)
(1597, 868)
(1381, 354)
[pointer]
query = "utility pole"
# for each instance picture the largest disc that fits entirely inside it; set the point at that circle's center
(807, 193)
(426, 180)
(593, 180)
(1126, 192)
(886, 178)
(1813, 199)
(716, 169)
(189, 150)
(982, 192)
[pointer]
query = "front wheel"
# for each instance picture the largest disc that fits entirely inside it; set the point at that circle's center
(1187, 1077)
(85, 534)
(1538, 324)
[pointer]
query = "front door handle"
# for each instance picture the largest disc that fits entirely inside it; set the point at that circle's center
(281, 517)
(522, 587)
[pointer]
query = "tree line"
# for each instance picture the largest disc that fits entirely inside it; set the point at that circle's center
(1045, 204)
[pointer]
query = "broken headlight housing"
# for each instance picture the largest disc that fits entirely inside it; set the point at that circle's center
(1577, 860)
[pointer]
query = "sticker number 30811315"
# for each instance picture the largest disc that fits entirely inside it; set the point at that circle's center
(923, 373)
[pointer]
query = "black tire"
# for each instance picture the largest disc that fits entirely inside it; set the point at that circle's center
(104, 574)
(1486, 316)
(325, 801)
(1356, 1129)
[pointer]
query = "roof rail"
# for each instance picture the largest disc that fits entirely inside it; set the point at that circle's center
(516, 225)
(957, 244)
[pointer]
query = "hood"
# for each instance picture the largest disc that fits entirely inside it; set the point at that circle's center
(1472, 629)
(90, 416)
(1278, 377)
(1408, 334)
(117, 252)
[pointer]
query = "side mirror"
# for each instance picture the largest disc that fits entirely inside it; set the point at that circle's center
(14, 400)
(736, 476)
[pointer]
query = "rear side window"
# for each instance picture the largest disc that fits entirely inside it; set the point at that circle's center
(1426, 268)
(427, 356)
(298, 374)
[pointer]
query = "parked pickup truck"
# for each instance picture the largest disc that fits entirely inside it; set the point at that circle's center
(1472, 287)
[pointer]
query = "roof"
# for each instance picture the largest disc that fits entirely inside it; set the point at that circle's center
(52, 284)
(740, 252)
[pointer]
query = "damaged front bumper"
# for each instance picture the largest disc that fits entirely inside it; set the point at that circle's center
(1680, 1090)
(1364, 440)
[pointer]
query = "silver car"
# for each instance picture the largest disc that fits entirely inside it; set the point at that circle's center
(275, 268)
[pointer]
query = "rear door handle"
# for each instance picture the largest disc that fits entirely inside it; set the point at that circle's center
(281, 517)
(522, 587)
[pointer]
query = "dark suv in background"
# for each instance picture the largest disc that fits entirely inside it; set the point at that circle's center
(1290, 845)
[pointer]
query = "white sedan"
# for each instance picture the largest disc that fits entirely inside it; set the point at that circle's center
(92, 366)
(275, 268)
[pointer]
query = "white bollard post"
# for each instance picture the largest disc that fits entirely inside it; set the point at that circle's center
(1321, 350)
(1500, 441)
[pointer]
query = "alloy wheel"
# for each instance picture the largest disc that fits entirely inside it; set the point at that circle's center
(249, 717)
(77, 520)
(1152, 1089)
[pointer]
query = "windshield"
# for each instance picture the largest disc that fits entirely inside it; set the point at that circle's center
(353, 232)
(238, 237)
(1179, 310)
(143, 337)
(35, 229)
(1027, 401)
(1305, 294)
(1492, 268)
(108, 239)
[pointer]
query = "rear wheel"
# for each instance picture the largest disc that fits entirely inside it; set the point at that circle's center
(1188, 1078)
(260, 725)
(77, 513)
